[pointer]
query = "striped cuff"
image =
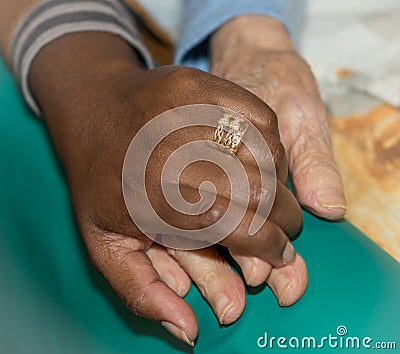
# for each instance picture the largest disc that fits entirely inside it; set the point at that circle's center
(52, 19)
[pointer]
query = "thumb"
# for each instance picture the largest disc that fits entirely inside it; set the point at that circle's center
(133, 277)
(316, 179)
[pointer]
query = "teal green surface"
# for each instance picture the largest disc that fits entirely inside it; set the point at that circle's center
(53, 301)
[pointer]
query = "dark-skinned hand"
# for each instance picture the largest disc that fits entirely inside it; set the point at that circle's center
(95, 98)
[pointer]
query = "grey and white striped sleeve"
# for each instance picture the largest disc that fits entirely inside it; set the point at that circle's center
(51, 19)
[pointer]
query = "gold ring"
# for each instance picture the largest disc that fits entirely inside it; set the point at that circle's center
(229, 132)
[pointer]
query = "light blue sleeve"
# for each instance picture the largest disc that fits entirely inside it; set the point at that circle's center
(203, 17)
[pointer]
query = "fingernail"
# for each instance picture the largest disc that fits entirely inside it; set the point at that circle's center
(222, 307)
(173, 283)
(250, 275)
(281, 288)
(285, 292)
(177, 332)
(331, 199)
(248, 268)
(179, 291)
(288, 254)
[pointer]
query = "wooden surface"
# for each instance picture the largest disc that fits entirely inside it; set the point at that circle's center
(367, 149)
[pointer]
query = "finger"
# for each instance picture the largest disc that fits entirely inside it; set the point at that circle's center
(289, 283)
(286, 212)
(317, 182)
(255, 271)
(316, 179)
(131, 274)
(269, 243)
(170, 272)
(219, 284)
(290, 89)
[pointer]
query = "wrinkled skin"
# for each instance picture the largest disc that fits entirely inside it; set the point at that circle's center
(257, 53)
(92, 114)
(106, 87)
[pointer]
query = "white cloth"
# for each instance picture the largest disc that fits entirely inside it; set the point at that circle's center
(166, 13)
(356, 44)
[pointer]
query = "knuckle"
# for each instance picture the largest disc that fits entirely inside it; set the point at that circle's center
(209, 279)
(269, 120)
(135, 301)
(139, 299)
(185, 77)
(214, 214)
(312, 160)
